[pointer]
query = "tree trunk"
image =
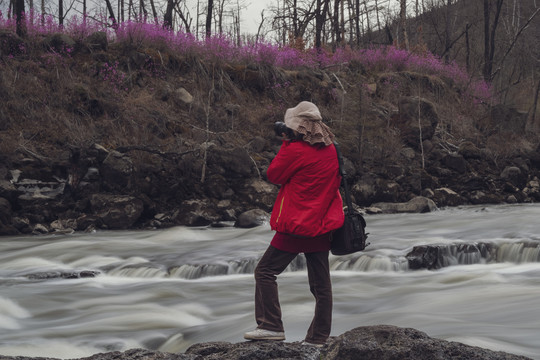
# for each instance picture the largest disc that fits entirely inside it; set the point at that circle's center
(61, 12)
(404, 40)
(208, 27)
(337, 33)
(533, 122)
(368, 22)
(19, 17)
(489, 36)
(142, 10)
(320, 19)
(154, 12)
(111, 12)
(168, 16)
(447, 32)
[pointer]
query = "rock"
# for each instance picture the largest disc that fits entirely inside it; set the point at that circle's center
(418, 204)
(533, 189)
(259, 193)
(60, 43)
(116, 170)
(508, 118)
(231, 162)
(447, 197)
(366, 343)
(64, 226)
(252, 218)
(116, 211)
(5, 209)
(514, 175)
(456, 162)
(10, 43)
(8, 190)
(478, 197)
(40, 229)
(390, 342)
(196, 213)
(469, 151)
(22, 224)
(182, 96)
(410, 108)
(97, 41)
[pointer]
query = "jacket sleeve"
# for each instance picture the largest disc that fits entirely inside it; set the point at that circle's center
(284, 165)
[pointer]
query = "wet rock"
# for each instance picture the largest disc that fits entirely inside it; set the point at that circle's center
(252, 218)
(196, 213)
(63, 275)
(390, 342)
(447, 197)
(40, 229)
(418, 204)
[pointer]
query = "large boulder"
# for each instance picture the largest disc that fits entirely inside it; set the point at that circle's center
(418, 204)
(390, 342)
(252, 218)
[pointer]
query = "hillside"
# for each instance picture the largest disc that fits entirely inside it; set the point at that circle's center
(134, 132)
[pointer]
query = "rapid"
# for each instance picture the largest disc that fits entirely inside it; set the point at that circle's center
(71, 296)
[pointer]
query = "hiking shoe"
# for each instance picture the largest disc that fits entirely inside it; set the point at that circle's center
(305, 343)
(261, 334)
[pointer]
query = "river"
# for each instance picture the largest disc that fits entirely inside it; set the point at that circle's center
(70, 296)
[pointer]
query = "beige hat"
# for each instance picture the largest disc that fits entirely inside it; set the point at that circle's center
(307, 120)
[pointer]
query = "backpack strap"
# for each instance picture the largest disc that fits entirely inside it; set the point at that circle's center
(344, 183)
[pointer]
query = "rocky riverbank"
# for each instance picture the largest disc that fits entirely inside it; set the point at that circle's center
(366, 343)
(187, 141)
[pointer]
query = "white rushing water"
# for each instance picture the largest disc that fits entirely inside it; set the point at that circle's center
(76, 295)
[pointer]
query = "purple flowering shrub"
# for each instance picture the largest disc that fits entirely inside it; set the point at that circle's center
(221, 48)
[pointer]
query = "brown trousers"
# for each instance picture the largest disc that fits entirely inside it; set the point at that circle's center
(267, 308)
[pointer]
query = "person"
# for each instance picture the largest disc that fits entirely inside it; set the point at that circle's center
(307, 209)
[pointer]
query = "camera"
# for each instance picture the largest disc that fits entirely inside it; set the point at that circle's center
(280, 128)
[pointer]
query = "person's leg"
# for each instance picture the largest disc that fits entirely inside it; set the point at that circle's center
(267, 308)
(321, 288)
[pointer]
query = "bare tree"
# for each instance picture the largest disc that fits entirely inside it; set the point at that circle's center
(489, 36)
(404, 39)
(320, 18)
(19, 14)
(111, 12)
(209, 13)
(61, 12)
(168, 16)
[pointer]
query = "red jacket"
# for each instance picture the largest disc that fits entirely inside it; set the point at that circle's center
(308, 203)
